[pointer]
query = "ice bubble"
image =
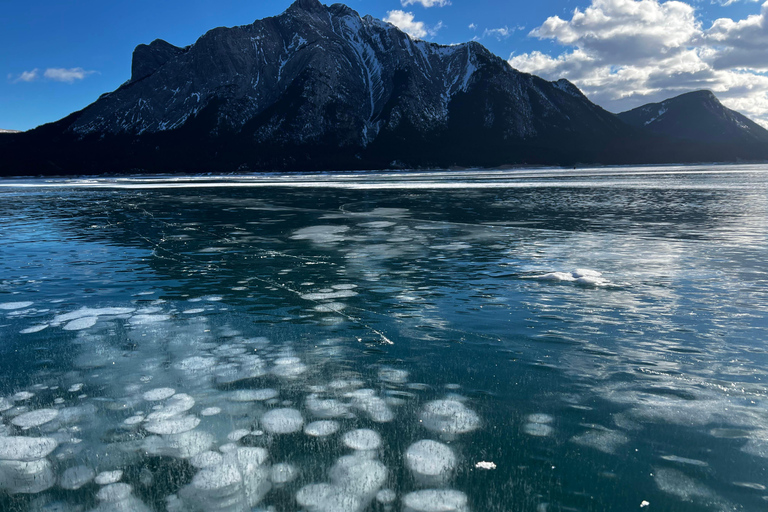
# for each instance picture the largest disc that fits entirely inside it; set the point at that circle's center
(253, 395)
(109, 477)
(320, 234)
(33, 329)
(206, 459)
(386, 496)
(449, 417)
(182, 446)
(393, 375)
(359, 476)
(89, 312)
(321, 428)
(283, 473)
(76, 477)
(148, 319)
(26, 448)
(435, 500)
(602, 439)
(431, 463)
(374, 406)
(539, 418)
(336, 294)
(237, 435)
(538, 429)
(327, 498)
(172, 425)
(81, 323)
(282, 421)
(26, 477)
(75, 388)
(193, 311)
(288, 367)
(133, 420)
(5, 404)
(157, 394)
(9, 306)
(196, 364)
(325, 408)
(22, 395)
(210, 411)
(362, 440)
(114, 492)
(35, 418)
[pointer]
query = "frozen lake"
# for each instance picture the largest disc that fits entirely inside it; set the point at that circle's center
(548, 340)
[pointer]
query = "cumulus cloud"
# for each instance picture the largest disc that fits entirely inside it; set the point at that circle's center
(405, 21)
(53, 74)
(426, 3)
(624, 53)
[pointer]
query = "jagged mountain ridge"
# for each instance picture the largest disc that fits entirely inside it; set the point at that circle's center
(356, 76)
(322, 88)
(699, 116)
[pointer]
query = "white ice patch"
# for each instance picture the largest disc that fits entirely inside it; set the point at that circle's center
(33, 329)
(327, 498)
(10, 306)
(75, 477)
(602, 439)
(26, 448)
(321, 428)
(90, 312)
(321, 234)
(35, 418)
(485, 465)
(449, 418)
(158, 394)
(579, 276)
(210, 411)
(283, 473)
(358, 476)
(431, 463)
(362, 440)
(172, 425)
(435, 500)
(109, 477)
(81, 323)
(253, 395)
(336, 294)
(282, 421)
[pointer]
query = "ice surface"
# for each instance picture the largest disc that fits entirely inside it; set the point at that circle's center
(81, 323)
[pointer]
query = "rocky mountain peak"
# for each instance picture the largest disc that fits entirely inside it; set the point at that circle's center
(149, 58)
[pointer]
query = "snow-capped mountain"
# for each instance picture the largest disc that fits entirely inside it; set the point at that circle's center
(320, 87)
(699, 116)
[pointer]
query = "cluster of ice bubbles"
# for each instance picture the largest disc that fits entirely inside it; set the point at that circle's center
(211, 411)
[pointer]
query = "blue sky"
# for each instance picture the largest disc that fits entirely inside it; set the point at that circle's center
(58, 57)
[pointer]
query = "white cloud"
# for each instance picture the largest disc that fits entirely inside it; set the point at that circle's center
(53, 74)
(624, 53)
(66, 75)
(426, 3)
(472, 26)
(499, 33)
(405, 21)
(26, 76)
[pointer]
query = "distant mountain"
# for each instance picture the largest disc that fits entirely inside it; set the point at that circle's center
(319, 88)
(697, 116)
(8, 131)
